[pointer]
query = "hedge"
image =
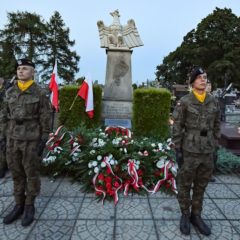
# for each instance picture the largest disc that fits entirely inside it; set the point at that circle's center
(151, 108)
(77, 115)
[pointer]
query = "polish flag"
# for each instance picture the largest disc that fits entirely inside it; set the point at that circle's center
(86, 92)
(53, 86)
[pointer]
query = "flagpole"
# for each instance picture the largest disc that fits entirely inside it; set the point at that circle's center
(74, 100)
(69, 110)
(53, 117)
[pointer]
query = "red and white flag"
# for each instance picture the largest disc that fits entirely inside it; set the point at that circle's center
(86, 92)
(53, 85)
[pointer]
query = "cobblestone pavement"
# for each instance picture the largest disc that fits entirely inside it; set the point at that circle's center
(64, 212)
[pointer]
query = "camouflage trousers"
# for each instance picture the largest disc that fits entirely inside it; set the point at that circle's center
(3, 162)
(194, 174)
(24, 164)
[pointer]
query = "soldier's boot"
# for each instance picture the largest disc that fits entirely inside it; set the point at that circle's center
(28, 215)
(14, 214)
(198, 222)
(185, 224)
(212, 179)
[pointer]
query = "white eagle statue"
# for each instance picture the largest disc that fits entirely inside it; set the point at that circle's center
(118, 36)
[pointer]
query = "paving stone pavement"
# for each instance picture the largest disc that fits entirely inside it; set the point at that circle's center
(64, 212)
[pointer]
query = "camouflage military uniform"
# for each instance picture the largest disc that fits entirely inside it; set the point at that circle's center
(196, 130)
(27, 115)
(3, 163)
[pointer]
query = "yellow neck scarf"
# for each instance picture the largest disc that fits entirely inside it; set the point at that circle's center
(200, 97)
(23, 86)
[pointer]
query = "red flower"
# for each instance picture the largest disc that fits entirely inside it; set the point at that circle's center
(110, 192)
(168, 185)
(101, 177)
(98, 193)
(108, 179)
(116, 184)
(108, 185)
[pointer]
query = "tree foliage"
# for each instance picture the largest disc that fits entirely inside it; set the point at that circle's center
(27, 35)
(59, 44)
(214, 45)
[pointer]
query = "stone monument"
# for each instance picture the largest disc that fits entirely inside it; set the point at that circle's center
(118, 41)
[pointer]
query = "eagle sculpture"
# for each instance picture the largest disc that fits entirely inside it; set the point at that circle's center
(118, 36)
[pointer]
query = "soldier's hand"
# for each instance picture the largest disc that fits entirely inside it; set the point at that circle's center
(179, 157)
(41, 146)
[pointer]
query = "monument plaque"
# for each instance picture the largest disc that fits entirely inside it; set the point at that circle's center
(118, 41)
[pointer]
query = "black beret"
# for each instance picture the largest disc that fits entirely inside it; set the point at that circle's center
(195, 72)
(23, 62)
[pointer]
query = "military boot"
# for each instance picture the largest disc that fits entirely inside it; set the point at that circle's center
(197, 221)
(14, 214)
(185, 224)
(28, 215)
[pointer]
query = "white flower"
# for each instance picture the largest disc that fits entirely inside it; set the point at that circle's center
(153, 145)
(57, 149)
(160, 163)
(116, 162)
(90, 172)
(112, 162)
(110, 156)
(115, 141)
(125, 150)
(75, 154)
(160, 146)
(90, 165)
(99, 157)
(75, 144)
(169, 140)
(94, 163)
(168, 148)
(96, 169)
(121, 149)
(103, 164)
(94, 139)
(92, 152)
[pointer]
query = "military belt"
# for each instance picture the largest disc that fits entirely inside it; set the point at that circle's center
(202, 133)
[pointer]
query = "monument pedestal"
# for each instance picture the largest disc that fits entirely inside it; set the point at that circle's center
(117, 113)
(117, 99)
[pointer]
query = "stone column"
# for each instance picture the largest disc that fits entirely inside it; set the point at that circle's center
(117, 99)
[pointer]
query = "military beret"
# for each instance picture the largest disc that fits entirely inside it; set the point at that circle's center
(23, 62)
(195, 72)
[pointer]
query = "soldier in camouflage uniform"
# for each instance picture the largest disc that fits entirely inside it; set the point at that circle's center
(27, 117)
(3, 163)
(196, 130)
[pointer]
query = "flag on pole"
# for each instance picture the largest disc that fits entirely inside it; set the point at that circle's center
(86, 92)
(53, 85)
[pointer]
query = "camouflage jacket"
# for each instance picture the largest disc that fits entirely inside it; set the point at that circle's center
(196, 125)
(25, 115)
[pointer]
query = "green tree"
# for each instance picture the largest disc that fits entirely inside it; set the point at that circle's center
(24, 36)
(59, 48)
(214, 45)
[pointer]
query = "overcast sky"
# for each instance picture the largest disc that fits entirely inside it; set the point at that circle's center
(161, 24)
